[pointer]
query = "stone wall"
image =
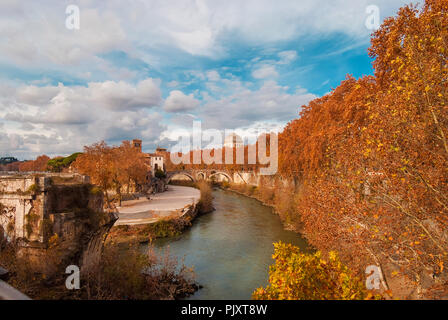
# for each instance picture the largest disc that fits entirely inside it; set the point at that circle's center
(251, 178)
(36, 209)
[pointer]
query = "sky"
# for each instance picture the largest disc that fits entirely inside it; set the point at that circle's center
(148, 69)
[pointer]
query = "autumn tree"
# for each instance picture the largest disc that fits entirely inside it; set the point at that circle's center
(38, 165)
(129, 167)
(113, 168)
(371, 156)
(97, 161)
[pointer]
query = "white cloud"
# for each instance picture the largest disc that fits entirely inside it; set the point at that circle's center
(213, 75)
(196, 27)
(287, 56)
(172, 84)
(244, 107)
(264, 72)
(108, 95)
(122, 95)
(45, 39)
(177, 101)
(44, 118)
(60, 119)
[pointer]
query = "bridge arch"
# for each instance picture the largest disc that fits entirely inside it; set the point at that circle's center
(221, 174)
(180, 174)
(201, 176)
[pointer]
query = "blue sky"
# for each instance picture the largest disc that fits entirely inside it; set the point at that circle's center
(147, 69)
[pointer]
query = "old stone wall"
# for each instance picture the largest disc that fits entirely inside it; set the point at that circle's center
(36, 209)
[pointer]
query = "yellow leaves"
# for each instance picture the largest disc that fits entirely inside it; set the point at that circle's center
(414, 243)
(53, 241)
(395, 273)
(367, 152)
(299, 276)
(427, 88)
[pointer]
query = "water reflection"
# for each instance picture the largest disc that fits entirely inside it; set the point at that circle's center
(231, 248)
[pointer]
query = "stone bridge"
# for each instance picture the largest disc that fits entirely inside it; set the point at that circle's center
(194, 175)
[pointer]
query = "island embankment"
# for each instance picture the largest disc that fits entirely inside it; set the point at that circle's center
(165, 214)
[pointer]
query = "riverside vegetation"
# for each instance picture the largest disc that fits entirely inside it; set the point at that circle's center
(122, 273)
(369, 161)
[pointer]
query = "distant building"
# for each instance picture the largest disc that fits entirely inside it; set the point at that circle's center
(137, 144)
(157, 160)
(233, 141)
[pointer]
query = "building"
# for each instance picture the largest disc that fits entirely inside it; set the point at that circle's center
(233, 141)
(35, 207)
(157, 160)
(136, 143)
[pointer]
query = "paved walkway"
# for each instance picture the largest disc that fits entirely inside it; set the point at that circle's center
(161, 205)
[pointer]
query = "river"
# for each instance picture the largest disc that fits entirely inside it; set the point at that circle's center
(231, 248)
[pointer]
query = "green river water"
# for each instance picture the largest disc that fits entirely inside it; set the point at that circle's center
(231, 248)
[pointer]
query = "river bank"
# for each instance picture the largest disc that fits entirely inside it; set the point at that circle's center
(164, 215)
(230, 249)
(250, 192)
(392, 282)
(161, 227)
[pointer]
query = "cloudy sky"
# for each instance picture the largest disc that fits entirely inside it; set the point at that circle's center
(147, 69)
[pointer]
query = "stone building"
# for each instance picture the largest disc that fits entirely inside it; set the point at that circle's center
(136, 143)
(157, 160)
(36, 207)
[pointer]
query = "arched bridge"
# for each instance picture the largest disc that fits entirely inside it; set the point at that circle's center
(197, 175)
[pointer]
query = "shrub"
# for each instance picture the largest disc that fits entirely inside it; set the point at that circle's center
(160, 174)
(123, 273)
(34, 188)
(300, 276)
(127, 273)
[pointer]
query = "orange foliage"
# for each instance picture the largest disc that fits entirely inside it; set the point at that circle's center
(372, 156)
(40, 164)
(113, 167)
